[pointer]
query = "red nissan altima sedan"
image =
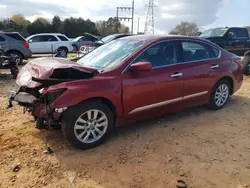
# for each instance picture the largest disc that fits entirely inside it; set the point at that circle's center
(126, 80)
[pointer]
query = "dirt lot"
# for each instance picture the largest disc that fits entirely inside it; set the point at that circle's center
(203, 148)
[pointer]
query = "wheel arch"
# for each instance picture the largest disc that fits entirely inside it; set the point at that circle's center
(105, 101)
(14, 50)
(230, 81)
(65, 47)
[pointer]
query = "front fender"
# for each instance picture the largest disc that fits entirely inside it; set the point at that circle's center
(78, 91)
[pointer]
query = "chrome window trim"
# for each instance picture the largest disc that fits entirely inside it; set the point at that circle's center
(155, 105)
(166, 40)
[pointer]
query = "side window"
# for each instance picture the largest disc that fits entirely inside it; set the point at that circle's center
(214, 52)
(162, 54)
(242, 33)
(239, 32)
(62, 38)
(49, 38)
(233, 31)
(2, 39)
(15, 36)
(35, 39)
(194, 51)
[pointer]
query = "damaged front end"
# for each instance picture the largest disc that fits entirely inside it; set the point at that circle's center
(35, 94)
(39, 105)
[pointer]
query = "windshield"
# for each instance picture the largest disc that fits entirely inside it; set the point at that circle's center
(217, 32)
(111, 54)
(108, 38)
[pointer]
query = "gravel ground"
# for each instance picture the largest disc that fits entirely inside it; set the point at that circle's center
(204, 148)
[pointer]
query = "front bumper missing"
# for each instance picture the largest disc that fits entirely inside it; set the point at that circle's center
(38, 107)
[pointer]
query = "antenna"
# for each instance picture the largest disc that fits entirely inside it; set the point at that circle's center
(149, 25)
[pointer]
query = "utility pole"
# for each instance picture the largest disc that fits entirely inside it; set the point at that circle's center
(149, 25)
(138, 25)
(125, 18)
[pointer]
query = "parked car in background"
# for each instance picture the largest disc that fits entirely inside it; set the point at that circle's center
(49, 43)
(234, 39)
(126, 80)
(83, 40)
(15, 45)
(98, 41)
(110, 38)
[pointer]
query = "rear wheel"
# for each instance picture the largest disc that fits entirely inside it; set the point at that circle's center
(16, 56)
(63, 51)
(87, 125)
(75, 49)
(220, 95)
(246, 64)
(14, 71)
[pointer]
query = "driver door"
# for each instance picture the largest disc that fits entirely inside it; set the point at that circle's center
(156, 91)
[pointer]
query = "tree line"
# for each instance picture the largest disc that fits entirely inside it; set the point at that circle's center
(72, 27)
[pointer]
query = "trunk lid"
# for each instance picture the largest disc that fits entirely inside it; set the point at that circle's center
(38, 71)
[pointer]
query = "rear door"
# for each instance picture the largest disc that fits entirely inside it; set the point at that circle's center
(157, 91)
(50, 43)
(199, 60)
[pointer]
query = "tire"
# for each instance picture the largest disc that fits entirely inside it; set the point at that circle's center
(18, 56)
(80, 114)
(63, 51)
(222, 87)
(14, 71)
(246, 65)
(75, 49)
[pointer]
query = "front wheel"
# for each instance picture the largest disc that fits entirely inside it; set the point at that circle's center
(220, 95)
(87, 125)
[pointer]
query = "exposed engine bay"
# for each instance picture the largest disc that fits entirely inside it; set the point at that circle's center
(34, 80)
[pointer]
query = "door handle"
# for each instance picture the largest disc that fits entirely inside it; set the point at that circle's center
(214, 66)
(176, 75)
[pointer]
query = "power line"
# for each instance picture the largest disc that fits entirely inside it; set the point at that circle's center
(132, 8)
(149, 24)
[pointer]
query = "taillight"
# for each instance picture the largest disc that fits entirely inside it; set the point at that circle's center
(26, 44)
(239, 62)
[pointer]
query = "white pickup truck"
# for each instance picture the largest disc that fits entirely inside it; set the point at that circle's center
(49, 42)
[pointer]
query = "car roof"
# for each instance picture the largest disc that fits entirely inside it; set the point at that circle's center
(151, 38)
(3, 32)
(121, 34)
(48, 34)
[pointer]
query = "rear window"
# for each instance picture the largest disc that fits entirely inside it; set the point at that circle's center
(15, 36)
(62, 38)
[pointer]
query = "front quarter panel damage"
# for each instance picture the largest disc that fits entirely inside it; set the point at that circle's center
(78, 91)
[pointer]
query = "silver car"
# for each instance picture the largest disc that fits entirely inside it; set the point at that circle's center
(15, 45)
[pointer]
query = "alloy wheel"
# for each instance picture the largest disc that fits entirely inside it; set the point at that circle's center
(91, 126)
(221, 95)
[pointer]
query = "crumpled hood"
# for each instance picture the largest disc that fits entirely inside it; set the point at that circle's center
(54, 68)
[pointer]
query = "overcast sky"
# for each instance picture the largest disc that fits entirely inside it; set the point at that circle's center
(168, 13)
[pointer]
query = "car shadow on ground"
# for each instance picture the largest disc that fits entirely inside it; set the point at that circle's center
(154, 134)
(170, 121)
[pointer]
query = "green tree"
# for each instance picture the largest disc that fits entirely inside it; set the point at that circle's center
(57, 24)
(185, 28)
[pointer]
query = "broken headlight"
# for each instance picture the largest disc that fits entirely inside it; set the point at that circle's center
(54, 94)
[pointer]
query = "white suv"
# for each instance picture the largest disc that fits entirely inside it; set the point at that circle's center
(49, 43)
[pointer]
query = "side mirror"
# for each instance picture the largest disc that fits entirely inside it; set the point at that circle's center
(30, 41)
(141, 66)
(230, 35)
